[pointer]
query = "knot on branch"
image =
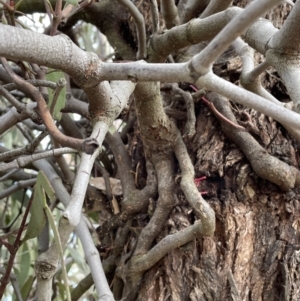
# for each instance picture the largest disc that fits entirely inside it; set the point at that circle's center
(89, 145)
(38, 118)
(44, 270)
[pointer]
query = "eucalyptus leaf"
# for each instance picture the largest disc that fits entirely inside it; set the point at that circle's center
(56, 76)
(26, 288)
(43, 181)
(25, 266)
(38, 217)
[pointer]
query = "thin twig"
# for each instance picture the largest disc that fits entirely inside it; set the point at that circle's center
(34, 82)
(123, 162)
(218, 114)
(68, 175)
(88, 145)
(189, 129)
(70, 10)
(14, 282)
(18, 105)
(17, 186)
(23, 161)
(202, 62)
(27, 134)
(56, 17)
(8, 174)
(15, 247)
(61, 83)
(28, 149)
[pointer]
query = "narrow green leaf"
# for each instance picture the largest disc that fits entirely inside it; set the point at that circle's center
(43, 181)
(25, 264)
(26, 288)
(56, 76)
(38, 218)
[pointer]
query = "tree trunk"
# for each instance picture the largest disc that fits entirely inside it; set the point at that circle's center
(254, 252)
(248, 161)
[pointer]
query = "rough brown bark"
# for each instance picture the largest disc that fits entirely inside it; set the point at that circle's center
(253, 254)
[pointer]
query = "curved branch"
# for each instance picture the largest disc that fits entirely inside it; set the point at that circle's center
(190, 126)
(134, 203)
(287, 38)
(100, 282)
(12, 117)
(24, 150)
(74, 105)
(265, 165)
(250, 79)
(166, 245)
(191, 9)
(189, 188)
(170, 13)
(17, 186)
(123, 162)
(14, 102)
(113, 97)
(165, 176)
(140, 27)
(239, 95)
(25, 160)
(88, 146)
(201, 62)
(250, 76)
